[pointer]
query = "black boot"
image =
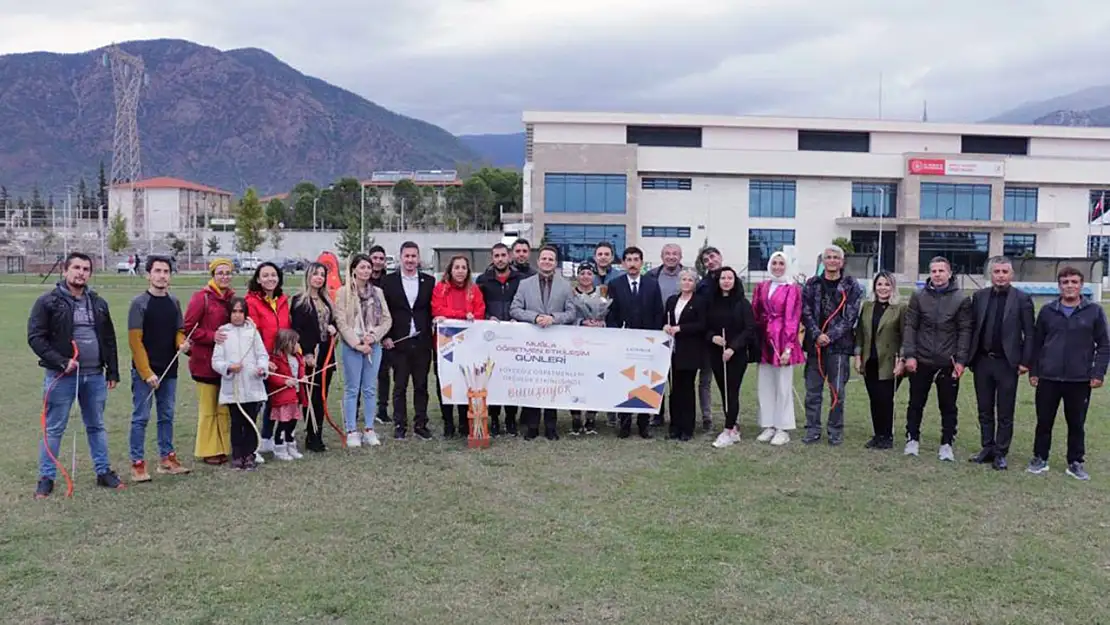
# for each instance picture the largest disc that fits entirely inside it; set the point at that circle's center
(643, 425)
(510, 425)
(494, 427)
(576, 425)
(464, 426)
(625, 426)
(448, 428)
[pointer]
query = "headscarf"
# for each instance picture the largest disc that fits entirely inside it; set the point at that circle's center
(785, 277)
(212, 266)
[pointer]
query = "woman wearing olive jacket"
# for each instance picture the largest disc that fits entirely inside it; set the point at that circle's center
(878, 355)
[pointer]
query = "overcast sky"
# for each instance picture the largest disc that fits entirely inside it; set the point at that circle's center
(474, 65)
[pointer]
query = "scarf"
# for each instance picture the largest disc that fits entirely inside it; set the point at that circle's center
(370, 307)
(215, 287)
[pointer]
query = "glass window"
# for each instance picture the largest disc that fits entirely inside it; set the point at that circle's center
(664, 136)
(762, 242)
(1099, 247)
(666, 184)
(771, 198)
(967, 251)
(869, 199)
(966, 202)
(834, 141)
(576, 242)
(1019, 245)
(585, 193)
(867, 242)
(1020, 204)
(673, 232)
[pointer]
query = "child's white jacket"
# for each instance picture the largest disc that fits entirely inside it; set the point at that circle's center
(243, 346)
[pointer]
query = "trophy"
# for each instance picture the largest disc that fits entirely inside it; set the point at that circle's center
(477, 395)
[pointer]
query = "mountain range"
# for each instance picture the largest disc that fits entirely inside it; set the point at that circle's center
(1086, 107)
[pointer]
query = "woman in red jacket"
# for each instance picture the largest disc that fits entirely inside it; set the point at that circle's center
(269, 310)
(455, 297)
(206, 312)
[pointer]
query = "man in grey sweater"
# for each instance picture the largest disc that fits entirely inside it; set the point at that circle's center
(667, 277)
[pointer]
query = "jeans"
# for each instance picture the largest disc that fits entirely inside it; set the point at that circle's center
(91, 390)
(165, 397)
(837, 370)
(360, 376)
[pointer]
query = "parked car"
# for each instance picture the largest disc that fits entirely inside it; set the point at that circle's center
(248, 263)
(390, 262)
(124, 266)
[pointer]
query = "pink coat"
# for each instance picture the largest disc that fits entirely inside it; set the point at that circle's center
(778, 317)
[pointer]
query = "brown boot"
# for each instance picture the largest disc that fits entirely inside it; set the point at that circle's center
(171, 466)
(138, 471)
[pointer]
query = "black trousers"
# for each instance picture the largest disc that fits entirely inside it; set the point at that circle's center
(948, 390)
(531, 418)
(683, 402)
(410, 360)
(996, 386)
(495, 419)
(449, 411)
(383, 384)
(730, 393)
(315, 433)
(243, 439)
(1076, 397)
(283, 432)
(880, 394)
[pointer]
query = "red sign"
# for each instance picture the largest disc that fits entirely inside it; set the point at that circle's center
(927, 166)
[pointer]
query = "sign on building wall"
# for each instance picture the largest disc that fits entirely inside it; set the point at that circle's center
(954, 167)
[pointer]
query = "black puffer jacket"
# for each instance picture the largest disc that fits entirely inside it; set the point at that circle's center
(937, 326)
(497, 296)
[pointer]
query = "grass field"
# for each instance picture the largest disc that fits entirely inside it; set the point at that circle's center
(579, 531)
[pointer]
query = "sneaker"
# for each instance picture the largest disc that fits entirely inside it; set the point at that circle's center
(780, 438)
(885, 443)
(383, 418)
(267, 446)
(1037, 466)
(946, 454)
(422, 433)
(766, 435)
(295, 453)
(398, 434)
(109, 479)
(250, 463)
(370, 439)
(612, 418)
(171, 466)
(872, 443)
(735, 434)
(591, 427)
(836, 441)
(575, 427)
(811, 438)
(353, 439)
(44, 488)
(912, 448)
(707, 424)
(315, 446)
(258, 460)
(138, 471)
(281, 452)
(238, 464)
(1076, 470)
(725, 439)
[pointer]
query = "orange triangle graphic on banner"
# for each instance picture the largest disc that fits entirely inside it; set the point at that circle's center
(629, 373)
(447, 392)
(655, 377)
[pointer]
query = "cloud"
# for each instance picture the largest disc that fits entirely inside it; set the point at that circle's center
(474, 65)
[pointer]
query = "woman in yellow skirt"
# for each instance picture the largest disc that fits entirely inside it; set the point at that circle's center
(206, 312)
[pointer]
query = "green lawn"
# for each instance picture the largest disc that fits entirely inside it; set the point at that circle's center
(580, 531)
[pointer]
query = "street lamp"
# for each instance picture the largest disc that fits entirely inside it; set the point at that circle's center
(362, 219)
(314, 201)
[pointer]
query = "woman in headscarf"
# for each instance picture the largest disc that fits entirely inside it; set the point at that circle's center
(777, 307)
(206, 312)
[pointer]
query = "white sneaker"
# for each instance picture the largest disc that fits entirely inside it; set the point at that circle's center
(946, 454)
(291, 448)
(912, 448)
(370, 438)
(766, 435)
(780, 438)
(281, 452)
(735, 434)
(724, 439)
(258, 459)
(353, 439)
(267, 446)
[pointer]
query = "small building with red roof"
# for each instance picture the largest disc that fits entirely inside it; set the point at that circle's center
(156, 207)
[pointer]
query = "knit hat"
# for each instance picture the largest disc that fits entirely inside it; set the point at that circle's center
(586, 266)
(216, 262)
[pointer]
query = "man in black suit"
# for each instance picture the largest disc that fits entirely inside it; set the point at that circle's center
(1001, 352)
(638, 305)
(411, 345)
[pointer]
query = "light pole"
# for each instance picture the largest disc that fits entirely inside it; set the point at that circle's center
(362, 219)
(314, 201)
(882, 210)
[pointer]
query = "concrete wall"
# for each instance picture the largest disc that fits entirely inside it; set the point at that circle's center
(300, 244)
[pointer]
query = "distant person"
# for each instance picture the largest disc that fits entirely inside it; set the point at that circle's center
(1071, 351)
(522, 258)
(879, 337)
(207, 311)
(777, 310)
(410, 341)
(1001, 352)
(635, 305)
(499, 284)
(70, 330)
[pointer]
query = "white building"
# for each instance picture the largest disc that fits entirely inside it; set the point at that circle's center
(167, 206)
(749, 185)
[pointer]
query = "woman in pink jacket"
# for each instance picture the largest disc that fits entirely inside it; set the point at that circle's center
(777, 306)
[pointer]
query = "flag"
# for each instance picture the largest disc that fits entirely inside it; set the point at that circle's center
(1096, 212)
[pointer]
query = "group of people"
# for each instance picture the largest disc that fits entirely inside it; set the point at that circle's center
(271, 355)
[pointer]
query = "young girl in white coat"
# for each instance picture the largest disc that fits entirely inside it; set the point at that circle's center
(243, 363)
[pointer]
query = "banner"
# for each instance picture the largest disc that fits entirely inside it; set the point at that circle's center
(563, 367)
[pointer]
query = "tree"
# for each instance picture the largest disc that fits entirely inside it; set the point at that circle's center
(37, 214)
(347, 243)
(47, 240)
(249, 222)
(301, 198)
(845, 244)
(276, 237)
(117, 233)
(407, 195)
(275, 213)
(476, 204)
(82, 191)
(102, 193)
(177, 244)
(213, 244)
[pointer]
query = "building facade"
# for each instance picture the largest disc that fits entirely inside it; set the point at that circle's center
(156, 207)
(902, 191)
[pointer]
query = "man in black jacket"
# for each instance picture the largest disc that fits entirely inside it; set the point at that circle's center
(411, 346)
(712, 261)
(498, 285)
(1071, 350)
(522, 258)
(936, 340)
(70, 330)
(636, 304)
(1001, 351)
(377, 275)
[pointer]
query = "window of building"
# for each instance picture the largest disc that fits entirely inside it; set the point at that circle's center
(762, 242)
(771, 198)
(985, 144)
(1098, 198)
(968, 202)
(867, 242)
(1099, 247)
(584, 193)
(1019, 245)
(576, 242)
(1020, 204)
(869, 198)
(833, 141)
(967, 251)
(668, 184)
(671, 232)
(664, 136)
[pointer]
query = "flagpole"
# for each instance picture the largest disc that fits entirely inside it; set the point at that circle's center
(1103, 249)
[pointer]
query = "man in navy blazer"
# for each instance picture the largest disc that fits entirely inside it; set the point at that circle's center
(637, 304)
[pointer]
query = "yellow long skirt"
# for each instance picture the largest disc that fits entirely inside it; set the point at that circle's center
(214, 423)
